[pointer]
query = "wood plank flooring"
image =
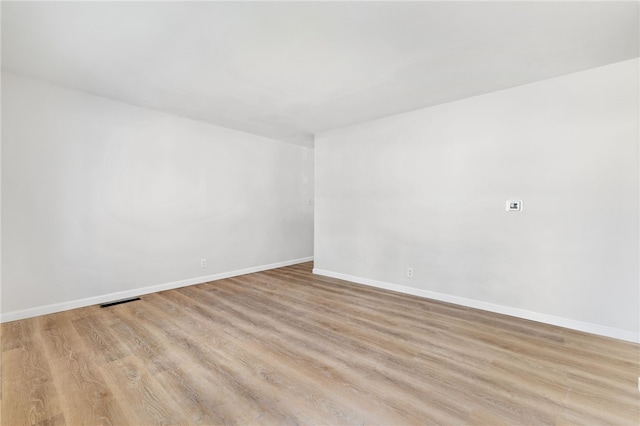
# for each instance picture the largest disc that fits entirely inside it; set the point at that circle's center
(288, 347)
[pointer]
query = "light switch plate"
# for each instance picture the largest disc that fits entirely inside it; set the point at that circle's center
(514, 205)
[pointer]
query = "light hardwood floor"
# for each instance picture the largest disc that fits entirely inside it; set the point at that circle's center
(287, 347)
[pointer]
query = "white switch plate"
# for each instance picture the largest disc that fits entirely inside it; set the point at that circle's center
(514, 205)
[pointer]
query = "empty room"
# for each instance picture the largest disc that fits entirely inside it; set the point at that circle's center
(320, 213)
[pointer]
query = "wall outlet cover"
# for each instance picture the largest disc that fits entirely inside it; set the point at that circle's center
(514, 205)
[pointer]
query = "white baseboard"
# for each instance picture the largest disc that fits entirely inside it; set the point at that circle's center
(601, 330)
(89, 301)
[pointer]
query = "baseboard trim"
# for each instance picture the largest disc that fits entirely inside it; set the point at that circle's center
(601, 330)
(96, 300)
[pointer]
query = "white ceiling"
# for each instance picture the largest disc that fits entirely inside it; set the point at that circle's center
(288, 70)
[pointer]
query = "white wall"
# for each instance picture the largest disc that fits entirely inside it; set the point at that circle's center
(427, 189)
(102, 198)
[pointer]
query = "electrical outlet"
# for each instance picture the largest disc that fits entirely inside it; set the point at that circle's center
(410, 272)
(514, 205)
(203, 263)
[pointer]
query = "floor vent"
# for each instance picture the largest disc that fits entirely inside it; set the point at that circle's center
(118, 302)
